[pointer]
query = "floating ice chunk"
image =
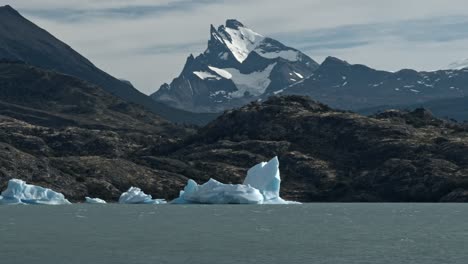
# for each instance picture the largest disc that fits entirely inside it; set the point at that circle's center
(214, 192)
(18, 192)
(266, 178)
(94, 200)
(135, 195)
(261, 186)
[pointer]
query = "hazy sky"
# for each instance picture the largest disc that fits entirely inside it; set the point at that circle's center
(147, 41)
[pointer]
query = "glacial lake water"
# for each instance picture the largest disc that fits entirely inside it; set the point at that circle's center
(309, 233)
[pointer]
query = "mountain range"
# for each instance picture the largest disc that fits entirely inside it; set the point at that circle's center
(240, 66)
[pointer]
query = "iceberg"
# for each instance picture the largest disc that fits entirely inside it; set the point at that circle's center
(266, 178)
(135, 195)
(94, 200)
(261, 186)
(214, 192)
(18, 192)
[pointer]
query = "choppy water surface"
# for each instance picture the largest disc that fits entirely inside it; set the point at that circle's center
(310, 233)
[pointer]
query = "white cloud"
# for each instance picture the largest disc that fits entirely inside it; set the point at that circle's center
(115, 41)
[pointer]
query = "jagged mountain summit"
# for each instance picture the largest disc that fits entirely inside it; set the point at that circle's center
(239, 66)
(22, 40)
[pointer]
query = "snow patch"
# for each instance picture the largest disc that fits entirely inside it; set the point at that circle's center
(241, 41)
(206, 75)
(254, 83)
(278, 92)
(223, 73)
(299, 75)
(224, 55)
(290, 55)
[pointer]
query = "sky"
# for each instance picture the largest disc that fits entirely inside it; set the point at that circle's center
(148, 41)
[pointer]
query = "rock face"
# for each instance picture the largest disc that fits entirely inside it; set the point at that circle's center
(22, 40)
(239, 66)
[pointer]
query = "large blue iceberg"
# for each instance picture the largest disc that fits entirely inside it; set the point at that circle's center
(18, 192)
(89, 200)
(214, 192)
(135, 195)
(261, 186)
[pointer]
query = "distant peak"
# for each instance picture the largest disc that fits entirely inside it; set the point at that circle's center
(8, 11)
(333, 61)
(234, 24)
(8, 8)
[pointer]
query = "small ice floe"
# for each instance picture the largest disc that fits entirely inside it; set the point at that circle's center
(94, 200)
(135, 195)
(18, 192)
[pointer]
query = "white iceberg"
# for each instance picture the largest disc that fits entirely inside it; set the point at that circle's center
(214, 192)
(94, 200)
(18, 192)
(135, 195)
(261, 186)
(266, 178)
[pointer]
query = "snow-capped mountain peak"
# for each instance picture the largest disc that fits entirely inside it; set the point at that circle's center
(238, 66)
(239, 40)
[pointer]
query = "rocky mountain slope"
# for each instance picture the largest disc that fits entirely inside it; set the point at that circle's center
(98, 145)
(238, 66)
(20, 39)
